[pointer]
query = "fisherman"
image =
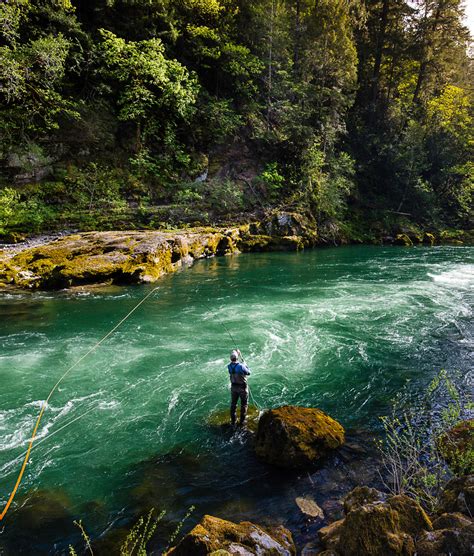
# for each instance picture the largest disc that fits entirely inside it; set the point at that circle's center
(238, 372)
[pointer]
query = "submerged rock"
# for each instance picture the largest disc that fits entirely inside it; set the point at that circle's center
(213, 535)
(221, 418)
(296, 437)
(309, 507)
(42, 518)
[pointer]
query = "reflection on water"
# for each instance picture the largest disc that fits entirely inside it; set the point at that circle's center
(342, 329)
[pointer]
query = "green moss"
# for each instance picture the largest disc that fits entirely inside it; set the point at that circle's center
(429, 239)
(221, 418)
(296, 437)
(213, 534)
(118, 257)
(412, 517)
(457, 447)
(255, 243)
(374, 530)
(403, 239)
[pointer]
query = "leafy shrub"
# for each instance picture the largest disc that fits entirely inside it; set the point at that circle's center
(411, 452)
(9, 200)
(222, 197)
(94, 187)
(271, 180)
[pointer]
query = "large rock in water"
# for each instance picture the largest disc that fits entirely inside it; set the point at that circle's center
(296, 437)
(213, 534)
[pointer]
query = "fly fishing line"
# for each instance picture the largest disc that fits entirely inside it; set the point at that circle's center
(235, 344)
(53, 389)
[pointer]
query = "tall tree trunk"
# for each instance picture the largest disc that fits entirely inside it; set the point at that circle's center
(427, 49)
(270, 64)
(379, 49)
(297, 32)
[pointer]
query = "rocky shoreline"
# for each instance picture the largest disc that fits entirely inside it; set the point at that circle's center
(362, 521)
(140, 256)
(374, 523)
(131, 257)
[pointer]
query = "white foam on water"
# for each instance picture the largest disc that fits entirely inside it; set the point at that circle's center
(22, 420)
(461, 276)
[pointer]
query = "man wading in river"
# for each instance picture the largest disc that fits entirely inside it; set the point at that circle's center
(238, 378)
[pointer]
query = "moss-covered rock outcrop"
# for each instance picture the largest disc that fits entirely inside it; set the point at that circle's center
(374, 530)
(117, 257)
(139, 256)
(376, 525)
(379, 525)
(213, 535)
(296, 437)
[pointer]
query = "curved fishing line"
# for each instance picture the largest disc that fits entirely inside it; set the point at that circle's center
(236, 345)
(68, 423)
(53, 389)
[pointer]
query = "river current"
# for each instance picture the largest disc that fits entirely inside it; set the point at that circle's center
(342, 329)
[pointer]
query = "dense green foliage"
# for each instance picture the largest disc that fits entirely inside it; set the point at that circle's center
(345, 108)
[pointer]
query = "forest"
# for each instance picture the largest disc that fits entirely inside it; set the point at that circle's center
(150, 113)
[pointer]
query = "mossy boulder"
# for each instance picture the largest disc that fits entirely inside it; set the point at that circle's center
(457, 237)
(213, 534)
(455, 520)
(280, 230)
(429, 238)
(296, 437)
(412, 517)
(458, 496)
(374, 530)
(254, 242)
(376, 527)
(457, 447)
(284, 223)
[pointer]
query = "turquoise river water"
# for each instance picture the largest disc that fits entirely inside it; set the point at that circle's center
(342, 329)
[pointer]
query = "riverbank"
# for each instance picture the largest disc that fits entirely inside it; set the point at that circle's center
(125, 257)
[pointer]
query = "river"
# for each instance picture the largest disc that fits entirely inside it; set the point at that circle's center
(342, 329)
